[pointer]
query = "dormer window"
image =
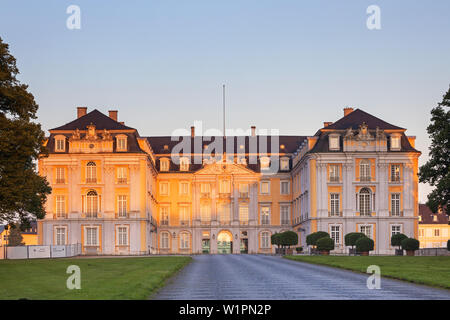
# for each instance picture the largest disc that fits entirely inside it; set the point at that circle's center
(395, 142)
(284, 164)
(164, 164)
(333, 140)
(265, 162)
(121, 142)
(184, 164)
(60, 143)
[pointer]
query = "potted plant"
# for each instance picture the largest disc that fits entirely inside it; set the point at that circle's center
(299, 249)
(364, 245)
(289, 238)
(311, 239)
(350, 240)
(275, 239)
(396, 241)
(410, 245)
(324, 245)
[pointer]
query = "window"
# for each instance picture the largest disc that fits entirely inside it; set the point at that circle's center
(91, 172)
(264, 162)
(164, 164)
(335, 233)
(395, 229)
(60, 239)
(421, 232)
(334, 204)
(121, 175)
(164, 216)
(121, 143)
(122, 206)
(60, 144)
(367, 230)
(184, 188)
(243, 213)
(265, 240)
(365, 199)
(284, 164)
(92, 204)
(164, 188)
(435, 218)
(395, 204)
(60, 175)
(265, 215)
(395, 142)
(333, 142)
(364, 170)
(204, 189)
(395, 172)
(224, 186)
(164, 240)
(437, 232)
(184, 215)
(265, 187)
(184, 240)
(60, 206)
(334, 173)
(224, 213)
(285, 187)
(91, 236)
(285, 219)
(243, 190)
(205, 213)
(122, 236)
(184, 164)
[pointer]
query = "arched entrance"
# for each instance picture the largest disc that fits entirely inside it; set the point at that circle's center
(224, 242)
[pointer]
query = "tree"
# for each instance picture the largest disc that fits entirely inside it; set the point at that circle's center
(311, 239)
(351, 238)
(364, 244)
(289, 238)
(325, 244)
(22, 191)
(436, 171)
(396, 239)
(410, 244)
(15, 237)
(275, 239)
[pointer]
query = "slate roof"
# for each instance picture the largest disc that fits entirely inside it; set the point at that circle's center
(357, 117)
(100, 120)
(427, 216)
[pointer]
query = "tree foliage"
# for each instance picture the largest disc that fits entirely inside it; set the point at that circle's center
(311, 239)
(396, 239)
(325, 244)
(410, 244)
(351, 238)
(364, 244)
(22, 191)
(436, 171)
(15, 237)
(275, 239)
(289, 238)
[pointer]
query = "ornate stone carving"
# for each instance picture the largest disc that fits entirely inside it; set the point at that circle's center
(106, 135)
(76, 135)
(363, 133)
(91, 134)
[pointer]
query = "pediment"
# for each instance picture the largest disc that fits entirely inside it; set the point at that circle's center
(224, 168)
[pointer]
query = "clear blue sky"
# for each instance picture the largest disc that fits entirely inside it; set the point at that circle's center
(288, 65)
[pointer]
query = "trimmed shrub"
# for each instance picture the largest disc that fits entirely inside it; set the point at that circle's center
(364, 244)
(299, 249)
(396, 239)
(312, 238)
(325, 244)
(289, 238)
(275, 239)
(352, 237)
(410, 244)
(448, 245)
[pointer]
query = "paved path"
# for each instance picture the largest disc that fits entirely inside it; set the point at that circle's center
(257, 277)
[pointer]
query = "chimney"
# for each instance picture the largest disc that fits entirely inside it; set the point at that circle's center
(113, 114)
(253, 131)
(81, 111)
(347, 111)
(192, 131)
(326, 124)
(121, 122)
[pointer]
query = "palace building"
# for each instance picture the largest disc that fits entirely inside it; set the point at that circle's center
(117, 192)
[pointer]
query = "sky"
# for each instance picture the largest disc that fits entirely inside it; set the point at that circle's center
(287, 64)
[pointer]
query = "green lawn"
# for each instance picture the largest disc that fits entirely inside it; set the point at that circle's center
(433, 271)
(101, 278)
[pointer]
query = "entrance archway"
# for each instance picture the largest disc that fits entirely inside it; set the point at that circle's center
(224, 242)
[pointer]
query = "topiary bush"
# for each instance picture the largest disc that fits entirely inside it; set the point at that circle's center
(364, 244)
(448, 245)
(275, 239)
(299, 249)
(325, 244)
(410, 244)
(351, 238)
(396, 239)
(312, 238)
(289, 238)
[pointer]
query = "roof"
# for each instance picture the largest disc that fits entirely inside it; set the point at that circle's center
(428, 216)
(357, 117)
(100, 120)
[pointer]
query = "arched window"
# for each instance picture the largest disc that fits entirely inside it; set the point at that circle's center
(265, 240)
(91, 204)
(364, 170)
(185, 240)
(91, 172)
(164, 240)
(365, 200)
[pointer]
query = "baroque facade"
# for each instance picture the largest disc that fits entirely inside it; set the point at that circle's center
(116, 192)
